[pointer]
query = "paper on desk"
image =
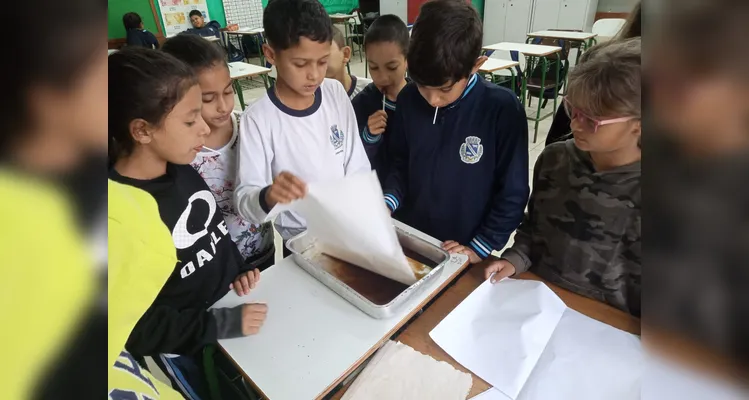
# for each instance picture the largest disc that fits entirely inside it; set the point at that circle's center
(500, 330)
(587, 360)
(398, 372)
(350, 221)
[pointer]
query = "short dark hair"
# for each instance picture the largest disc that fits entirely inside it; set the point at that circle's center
(286, 21)
(59, 63)
(388, 28)
(195, 51)
(445, 42)
(195, 12)
(131, 20)
(144, 83)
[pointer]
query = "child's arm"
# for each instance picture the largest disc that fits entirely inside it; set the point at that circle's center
(356, 159)
(163, 329)
(363, 107)
(152, 40)
(254, 174)
(396, 182)
(511, 196)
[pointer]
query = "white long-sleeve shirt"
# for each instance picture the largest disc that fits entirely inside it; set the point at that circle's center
(317, 144)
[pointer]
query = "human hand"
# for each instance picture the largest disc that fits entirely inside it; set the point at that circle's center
(454, 247)
(245, 282)
(232, 27)
(285, 188)
(253, 318)
(377, 122)
(501, 269)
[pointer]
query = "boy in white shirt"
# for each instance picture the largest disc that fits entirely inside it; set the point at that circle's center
(304, 128)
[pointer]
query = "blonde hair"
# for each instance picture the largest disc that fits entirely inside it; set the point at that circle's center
(607, 81)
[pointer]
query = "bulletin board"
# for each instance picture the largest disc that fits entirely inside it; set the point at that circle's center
(175, 14)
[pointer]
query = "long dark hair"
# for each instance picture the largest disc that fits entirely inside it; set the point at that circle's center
(143, 84)
(633, 26)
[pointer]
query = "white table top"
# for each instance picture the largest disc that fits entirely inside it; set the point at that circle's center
(312, 337)
(527, 49)
(564, 35)
(110, 51)
(246, 31)
(211, 38)
(242, 69)
(341, 16)
(496, 64)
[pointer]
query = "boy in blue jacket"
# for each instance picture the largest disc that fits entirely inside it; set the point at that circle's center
(459, 144)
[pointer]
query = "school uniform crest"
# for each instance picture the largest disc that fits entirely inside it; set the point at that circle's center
(472, 150)
(336, 137)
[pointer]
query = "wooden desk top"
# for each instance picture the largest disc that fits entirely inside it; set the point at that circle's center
(496, 64)
(417, 334)
(240, 69)
(564, 35)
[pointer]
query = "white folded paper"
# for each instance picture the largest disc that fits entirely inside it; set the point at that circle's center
(351, 222)
(398, 372)
(520, 337)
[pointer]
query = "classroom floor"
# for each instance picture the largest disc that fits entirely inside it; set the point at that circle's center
(255, 89)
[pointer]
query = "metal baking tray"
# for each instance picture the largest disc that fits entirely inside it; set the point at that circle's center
(376, 295)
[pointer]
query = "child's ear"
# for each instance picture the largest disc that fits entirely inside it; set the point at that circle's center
(479, 62)
(139, 131)
(270, 55)
(637, 130)
(346, 54)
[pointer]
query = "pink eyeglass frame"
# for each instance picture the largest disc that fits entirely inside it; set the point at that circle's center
(574, 113)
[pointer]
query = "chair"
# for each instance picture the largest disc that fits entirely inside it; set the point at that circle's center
(607, 28)
(549, 86)
(358, 30)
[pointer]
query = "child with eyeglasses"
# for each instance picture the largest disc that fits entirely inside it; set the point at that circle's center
(582, 230)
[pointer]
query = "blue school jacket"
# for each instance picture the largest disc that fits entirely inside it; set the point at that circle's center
(464, 175)
(212, 28)
(365, 104)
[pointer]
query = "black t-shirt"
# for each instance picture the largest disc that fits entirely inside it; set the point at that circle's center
(207, 262)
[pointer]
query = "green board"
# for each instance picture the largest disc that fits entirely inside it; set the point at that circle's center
(479, 5)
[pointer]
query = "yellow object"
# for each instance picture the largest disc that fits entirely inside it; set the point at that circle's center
(46, 280)
(141, 258)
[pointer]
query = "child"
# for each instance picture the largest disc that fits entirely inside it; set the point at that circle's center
(141, 258)
(201, 28)
(340, 54)
(304, 128)
(459, 152)
(156, 130)
(136, 34)
(386, 44)
(218, 166)
(582, 229)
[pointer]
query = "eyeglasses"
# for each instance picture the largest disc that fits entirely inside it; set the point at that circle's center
(590, 123)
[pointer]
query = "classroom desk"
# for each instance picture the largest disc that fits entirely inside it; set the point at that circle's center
(417, 333)
(313, 338)
(533, 52)
(346, 21)
(586, 39)
(240, 70)
(211, 38)
(258, 32)
(493, 65)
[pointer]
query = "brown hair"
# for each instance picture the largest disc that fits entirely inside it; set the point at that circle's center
(633, 26)
(338, 38)
(607, 82)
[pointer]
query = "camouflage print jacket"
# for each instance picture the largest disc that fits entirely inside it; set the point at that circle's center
(582, 230)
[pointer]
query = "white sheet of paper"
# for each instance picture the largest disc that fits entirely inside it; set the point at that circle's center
(587, 360)
(398, 372)
(351, 222)
(500, 330)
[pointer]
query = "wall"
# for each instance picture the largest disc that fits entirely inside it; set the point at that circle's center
(617, 6)
(117, 8)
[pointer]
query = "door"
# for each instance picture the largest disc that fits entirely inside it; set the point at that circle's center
(397, 7)
(545, 15)
(495, 12)
(572, 14)
(518, 20)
